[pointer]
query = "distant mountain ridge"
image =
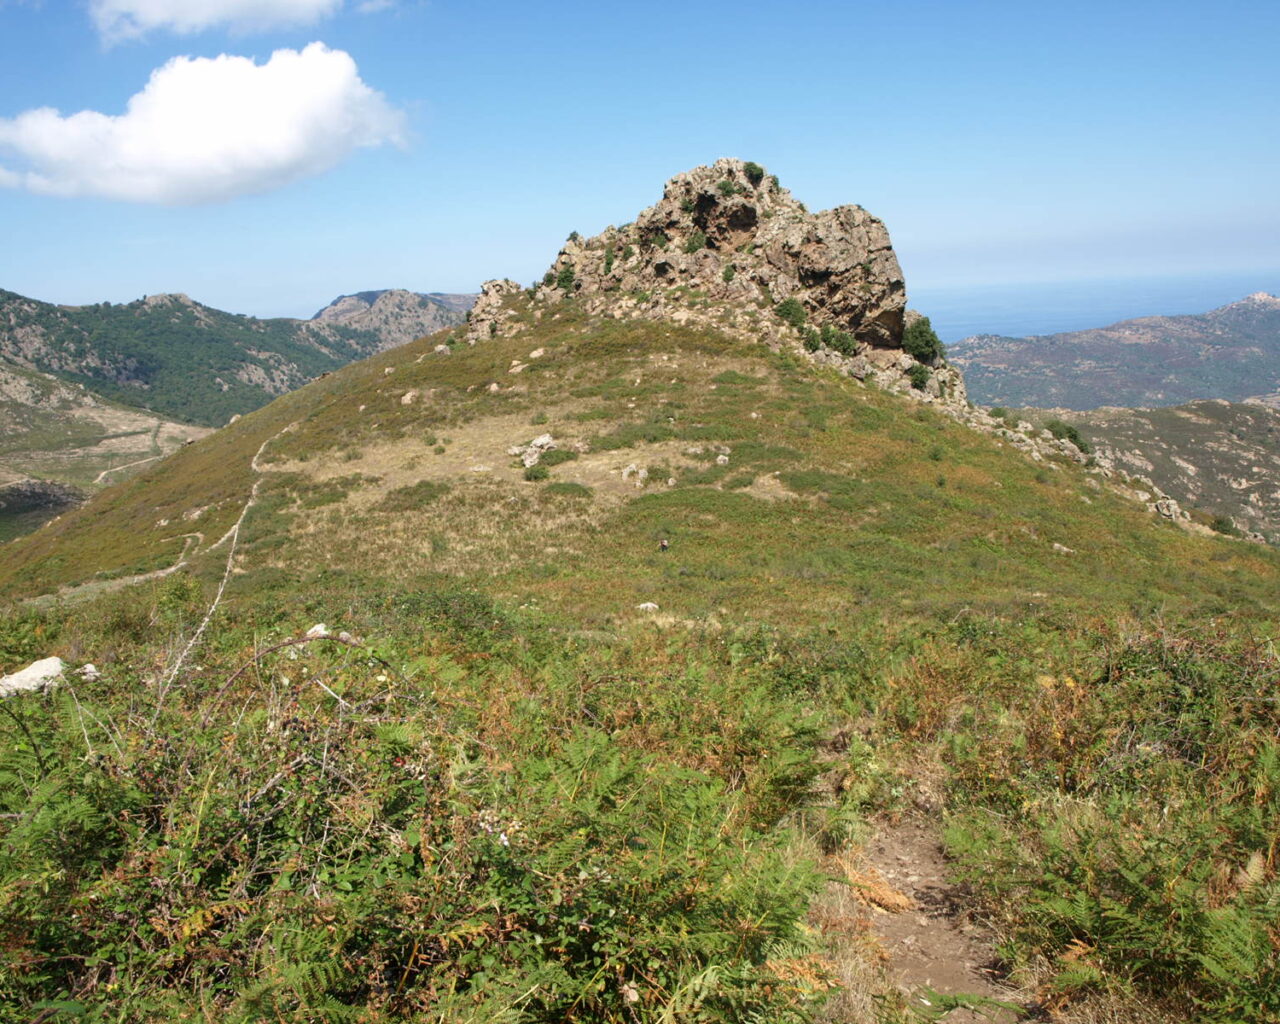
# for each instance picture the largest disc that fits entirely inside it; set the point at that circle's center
(395, 315)
(187, 361)
(1232, 353)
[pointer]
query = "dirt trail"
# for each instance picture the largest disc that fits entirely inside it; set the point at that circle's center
(191, 547)
(101, 477)
(931, 938)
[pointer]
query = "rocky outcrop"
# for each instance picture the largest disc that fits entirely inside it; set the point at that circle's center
(727, 246)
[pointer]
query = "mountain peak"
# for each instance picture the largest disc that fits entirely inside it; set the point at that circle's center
(396, 314)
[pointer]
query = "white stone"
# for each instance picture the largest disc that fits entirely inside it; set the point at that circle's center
(319, 629)
(647, 606)
(89, 673)
(39, 675)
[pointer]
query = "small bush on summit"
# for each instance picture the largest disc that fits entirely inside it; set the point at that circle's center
(919, 341)
(791, 312)
(754, 172)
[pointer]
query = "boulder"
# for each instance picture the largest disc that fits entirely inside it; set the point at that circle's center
(38, 676)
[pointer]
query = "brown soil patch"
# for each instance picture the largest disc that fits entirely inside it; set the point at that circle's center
(932, 939)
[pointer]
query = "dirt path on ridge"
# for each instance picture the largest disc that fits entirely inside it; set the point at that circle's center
(926, 925)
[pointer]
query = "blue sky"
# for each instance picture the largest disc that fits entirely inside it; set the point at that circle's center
(1000, 142)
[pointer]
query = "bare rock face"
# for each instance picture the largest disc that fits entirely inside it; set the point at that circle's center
(736, 235)
(725, 247)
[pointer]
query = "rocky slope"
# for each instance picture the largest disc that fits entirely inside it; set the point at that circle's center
(1219, 459)
(1232, 353)
(188, 361)
(396, 315)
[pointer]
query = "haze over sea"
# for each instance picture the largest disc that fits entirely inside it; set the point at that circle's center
(1019, 310)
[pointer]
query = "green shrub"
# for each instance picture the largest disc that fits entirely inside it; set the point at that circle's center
(919, 376)
(406, 499)
(838, 340)
(754, 172)
(536, 472)
(920, 342)
(696, 242)
(1225, 525)
(1066, 431)
(557, 456)
(568, 490)
(999, 412)
(608, 258)
(792, 312)
(812, 339)
(564, 280)
(727, 188)
(729, 273)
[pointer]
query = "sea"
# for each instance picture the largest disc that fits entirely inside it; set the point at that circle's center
(1020, 310)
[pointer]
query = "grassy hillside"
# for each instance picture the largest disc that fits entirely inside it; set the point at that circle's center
(494, 788)
(786, 480)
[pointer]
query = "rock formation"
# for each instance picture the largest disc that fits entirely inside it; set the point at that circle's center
(729, 247)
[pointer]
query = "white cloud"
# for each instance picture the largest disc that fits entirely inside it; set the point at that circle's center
(206, 130)
(128, 19)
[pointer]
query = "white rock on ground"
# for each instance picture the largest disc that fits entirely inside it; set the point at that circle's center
(39, 675)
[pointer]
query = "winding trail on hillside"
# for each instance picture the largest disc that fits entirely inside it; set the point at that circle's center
(190, 549)
(233, 536)
(101, 477)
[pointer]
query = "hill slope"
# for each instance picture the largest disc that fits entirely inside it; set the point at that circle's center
(59, 442)
(1221, 458)
(643, 611)
(1230, 353)
(183, 360)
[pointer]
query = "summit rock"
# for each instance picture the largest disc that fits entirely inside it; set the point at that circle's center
(727, 246)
